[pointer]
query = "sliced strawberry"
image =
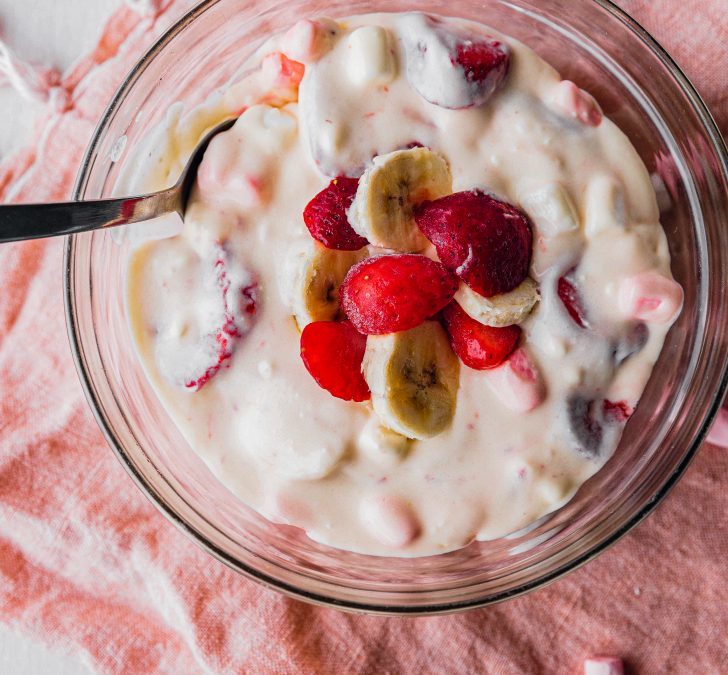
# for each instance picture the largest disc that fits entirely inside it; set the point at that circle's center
(239, 304)
(486, 242)
(325, 216)
(478, 346)
(616, 413)
(451, 67)
(215, 299)
(484, 63)
(572, 300)
(392, 293)
(333, 352)
(585, 424)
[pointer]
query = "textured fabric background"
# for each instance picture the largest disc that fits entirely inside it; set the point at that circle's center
(87, 564)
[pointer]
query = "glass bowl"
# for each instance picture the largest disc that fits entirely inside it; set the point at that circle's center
(642, 90)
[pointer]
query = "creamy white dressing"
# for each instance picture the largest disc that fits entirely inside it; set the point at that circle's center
(288, 448)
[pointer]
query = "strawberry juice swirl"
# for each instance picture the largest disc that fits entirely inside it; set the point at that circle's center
(419, 290)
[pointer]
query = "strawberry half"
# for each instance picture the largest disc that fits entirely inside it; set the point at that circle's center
(451, 67)
(484, 241)
(571, 298)
(393, 293)
(485, 65)
(325, 216)
(479, 347)
(332, 353)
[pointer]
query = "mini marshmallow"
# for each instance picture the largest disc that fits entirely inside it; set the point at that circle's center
(369, 57)
(390, 520)
(605, 206)
(551, 209)
(307, 41)
(575, 103)
(719, 432)
(517, 383)
(650, 297)
(603, 665)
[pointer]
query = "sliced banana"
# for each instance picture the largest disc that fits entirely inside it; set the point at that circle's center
(311, 276)
(504, 309)
(389, 189)
(382, 445)
(414, 377)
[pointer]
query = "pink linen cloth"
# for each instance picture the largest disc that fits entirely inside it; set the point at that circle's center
(88, 565)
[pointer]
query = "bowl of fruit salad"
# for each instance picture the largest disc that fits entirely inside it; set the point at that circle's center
(444, 317)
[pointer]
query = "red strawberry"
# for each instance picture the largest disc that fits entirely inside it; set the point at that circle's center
(332, 352)
(392, 293)
(485, 64)
(572, 300)
(478, 346)
(451, 67)
(325, 216)
(486, 242)
(238, 308)
(617, 413)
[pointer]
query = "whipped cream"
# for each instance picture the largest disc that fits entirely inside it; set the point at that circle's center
(228, 370)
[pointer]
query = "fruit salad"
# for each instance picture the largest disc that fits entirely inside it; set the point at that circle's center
(419, 288)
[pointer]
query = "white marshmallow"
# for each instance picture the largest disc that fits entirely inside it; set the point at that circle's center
(369, 57)
(605, 206)
(551, 209)
(307, 41)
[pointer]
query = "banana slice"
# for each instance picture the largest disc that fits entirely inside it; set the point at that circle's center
(504, 309)
(311, 276)
(414, 377)
(389, 188)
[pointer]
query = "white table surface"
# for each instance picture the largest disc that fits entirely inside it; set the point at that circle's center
(53, 33)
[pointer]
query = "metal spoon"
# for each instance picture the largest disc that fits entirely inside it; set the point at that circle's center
(33, 221)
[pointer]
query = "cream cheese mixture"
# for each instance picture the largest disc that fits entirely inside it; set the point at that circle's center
(402, 103)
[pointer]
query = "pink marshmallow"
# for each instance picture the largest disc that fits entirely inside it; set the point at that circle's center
(518, 382)
(719, 432)
(390, 520)
(603, 665)
(573, 102)
(307, 41)
(650, 297)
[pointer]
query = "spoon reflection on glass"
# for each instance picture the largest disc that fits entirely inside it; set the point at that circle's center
(33, 221)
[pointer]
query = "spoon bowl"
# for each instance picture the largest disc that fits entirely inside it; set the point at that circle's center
(34, 221)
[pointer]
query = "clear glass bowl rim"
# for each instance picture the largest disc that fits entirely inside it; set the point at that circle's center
(719, 145)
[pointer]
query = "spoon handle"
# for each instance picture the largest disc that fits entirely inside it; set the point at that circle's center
(32, 221)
